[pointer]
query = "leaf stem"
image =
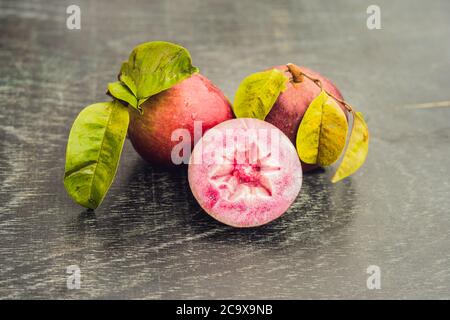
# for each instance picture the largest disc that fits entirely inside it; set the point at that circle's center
(297, 76)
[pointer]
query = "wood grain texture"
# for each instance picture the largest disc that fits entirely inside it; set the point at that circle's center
(150, 239)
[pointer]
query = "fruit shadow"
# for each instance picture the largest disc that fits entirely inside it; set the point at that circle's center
(320, 211)
(149, 198)
(155, 198)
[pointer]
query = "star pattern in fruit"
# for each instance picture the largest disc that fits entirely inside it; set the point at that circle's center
(244, 172)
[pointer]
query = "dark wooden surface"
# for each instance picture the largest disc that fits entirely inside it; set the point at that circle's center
(150, 239)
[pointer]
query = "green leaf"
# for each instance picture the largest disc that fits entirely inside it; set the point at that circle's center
(93, 151)
(120, 91)
(155, 66)
(257, 94)
(125, 78)
(323, 131)
(357, 149)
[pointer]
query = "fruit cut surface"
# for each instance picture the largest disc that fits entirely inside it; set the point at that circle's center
(245, 172)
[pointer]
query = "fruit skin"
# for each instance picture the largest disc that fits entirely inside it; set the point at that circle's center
(193, 99)
(241, 193)
(287, 112)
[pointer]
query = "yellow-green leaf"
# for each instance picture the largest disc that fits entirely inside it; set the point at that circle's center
(120, 91)
(323, 131)
(93, 151)
(357, 149)
(257, 93)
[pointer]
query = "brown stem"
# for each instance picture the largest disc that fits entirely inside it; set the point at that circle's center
(297, 76)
